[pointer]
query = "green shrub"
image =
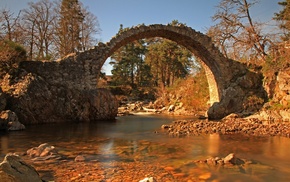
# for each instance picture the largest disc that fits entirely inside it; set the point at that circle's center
(253, 103)
(11, 54)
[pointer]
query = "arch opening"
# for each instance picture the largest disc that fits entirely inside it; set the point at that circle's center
(195, 42)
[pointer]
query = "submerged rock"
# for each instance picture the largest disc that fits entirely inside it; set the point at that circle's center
(14, 169)
(229, 159)
(80, 158)
(43, 152)
(232, 159)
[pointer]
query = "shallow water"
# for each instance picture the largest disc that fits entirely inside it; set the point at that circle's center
(137, 138)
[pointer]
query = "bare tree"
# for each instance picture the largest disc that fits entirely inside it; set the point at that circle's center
(89, 28)
(9, 25)
(49, 30)
(236, 33)
(38, 25)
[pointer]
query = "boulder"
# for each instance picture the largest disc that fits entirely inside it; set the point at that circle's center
(14, 169)
(15, 126)
(232, 159)
(9, 121)
(80, 158)
(229, 158)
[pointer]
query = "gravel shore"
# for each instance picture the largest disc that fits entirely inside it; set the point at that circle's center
(227, 126)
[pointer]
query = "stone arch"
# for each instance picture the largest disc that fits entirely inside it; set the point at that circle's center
(231, 84)
(199, 44)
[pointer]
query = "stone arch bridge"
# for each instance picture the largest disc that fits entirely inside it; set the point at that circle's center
(231, 84)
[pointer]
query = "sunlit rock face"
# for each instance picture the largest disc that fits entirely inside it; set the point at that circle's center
(278, 89)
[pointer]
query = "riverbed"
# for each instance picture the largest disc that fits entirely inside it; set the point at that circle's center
(134, 147)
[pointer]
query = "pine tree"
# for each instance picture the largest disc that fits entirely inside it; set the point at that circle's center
(284, 17)
(129, 67)
(168, 61)
(69, 27)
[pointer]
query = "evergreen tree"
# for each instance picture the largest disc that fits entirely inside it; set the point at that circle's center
(129, 67)
(150, 62)
(168, 61)
(69, 27)
(284, 17)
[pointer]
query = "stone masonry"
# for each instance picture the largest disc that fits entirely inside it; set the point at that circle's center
(230, 82)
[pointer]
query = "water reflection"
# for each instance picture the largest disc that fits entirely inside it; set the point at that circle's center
(4, 144)
(132, 138)
(213, 144)
(277, 147)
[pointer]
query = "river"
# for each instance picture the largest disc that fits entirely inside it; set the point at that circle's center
(138, 138)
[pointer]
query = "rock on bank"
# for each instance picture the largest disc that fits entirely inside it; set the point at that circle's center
(14, 169)
(35, 100)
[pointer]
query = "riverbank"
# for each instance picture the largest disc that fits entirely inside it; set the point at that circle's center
(227, 126)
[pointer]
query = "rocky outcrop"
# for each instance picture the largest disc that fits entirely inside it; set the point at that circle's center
(35, 100)
(244, 94)
(14, 169)
(282, 88)
(272, 116)
(278, 87)
(278, 90)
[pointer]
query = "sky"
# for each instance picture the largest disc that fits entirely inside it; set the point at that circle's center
(194, 13)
